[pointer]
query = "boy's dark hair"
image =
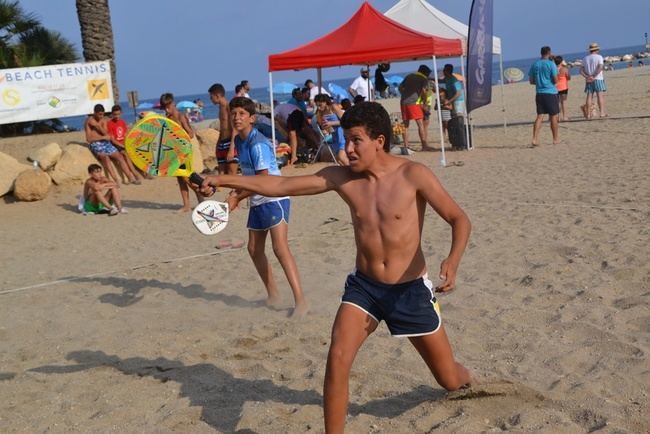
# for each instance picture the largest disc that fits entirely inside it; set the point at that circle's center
(448, 67)
(424, 70)
(98, 108)
(244, 83)
(545, 50)
(217, 89)
(93, 167)
(359, 99)
(238, 88)
(373, 117)
(166, 98)
(323, 97)
(345, 103)
(308, 82)
(116, 108)
(243, 102)
(558, 60)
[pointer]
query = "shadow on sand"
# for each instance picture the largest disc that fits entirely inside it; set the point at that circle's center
(131, 289)
(222, 396)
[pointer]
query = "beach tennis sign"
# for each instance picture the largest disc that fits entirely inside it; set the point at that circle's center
(54, 91)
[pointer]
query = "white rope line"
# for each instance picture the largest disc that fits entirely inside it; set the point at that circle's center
(72, 279)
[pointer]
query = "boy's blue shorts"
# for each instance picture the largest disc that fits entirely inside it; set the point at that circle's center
(409, 308)
(263, 217)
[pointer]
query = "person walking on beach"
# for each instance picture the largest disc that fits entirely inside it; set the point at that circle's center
(543, 74)
(227, 161)
(267, 214)
(414, 91)
(167, 103)
(592, 71)
(562, 85)
(387, 196)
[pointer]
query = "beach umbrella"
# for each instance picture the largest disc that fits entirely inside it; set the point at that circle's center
(283, 87)
(337, 91)
(144, 106)
(395, 80)
(513, 75)
(186, 104)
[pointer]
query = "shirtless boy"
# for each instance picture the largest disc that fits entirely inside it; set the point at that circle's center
(226, 153)
(99, 141)
(387, 196)
(167, 103)
(101, 194)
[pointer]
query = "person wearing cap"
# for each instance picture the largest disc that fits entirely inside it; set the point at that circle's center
(543, 74)
(362, 85)
(413, 90)
(592, 70)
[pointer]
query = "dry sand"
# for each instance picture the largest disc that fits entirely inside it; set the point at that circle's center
(155, 330)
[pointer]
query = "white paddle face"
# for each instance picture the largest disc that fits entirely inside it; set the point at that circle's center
(210, 217)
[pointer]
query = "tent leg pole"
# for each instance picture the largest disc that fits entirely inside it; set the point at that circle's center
(272, 110)
(470, 145)
(319, 77)
(503, 100)
(443, 161)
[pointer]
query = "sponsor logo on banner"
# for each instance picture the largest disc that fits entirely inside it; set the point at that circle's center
(97, 89)
(11, 97)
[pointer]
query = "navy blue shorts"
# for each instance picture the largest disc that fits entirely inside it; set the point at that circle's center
(409, 308)
(547, 104)
(263, 217)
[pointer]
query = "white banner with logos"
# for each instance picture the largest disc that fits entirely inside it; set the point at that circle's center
(54, 91)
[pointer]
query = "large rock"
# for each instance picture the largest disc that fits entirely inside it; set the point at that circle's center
(208, 139)
(197, 156)
(47, 156)
(10, 168)
(73, 165)
(32, 185)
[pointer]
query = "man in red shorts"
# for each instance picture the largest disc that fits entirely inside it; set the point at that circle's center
(414, 93)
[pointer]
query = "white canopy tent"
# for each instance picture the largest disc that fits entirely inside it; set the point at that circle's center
(421, 16)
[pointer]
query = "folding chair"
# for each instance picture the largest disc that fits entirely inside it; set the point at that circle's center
(326, 141)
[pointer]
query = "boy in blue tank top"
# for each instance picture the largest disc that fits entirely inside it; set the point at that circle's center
(266, 214)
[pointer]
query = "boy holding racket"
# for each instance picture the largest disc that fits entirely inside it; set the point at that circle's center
(167, 103)
(266, 214)
(387, 196)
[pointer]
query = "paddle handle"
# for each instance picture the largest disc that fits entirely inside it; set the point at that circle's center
(196, 179)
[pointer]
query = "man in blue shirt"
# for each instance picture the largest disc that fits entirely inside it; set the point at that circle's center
(266, 214)
(543, 74)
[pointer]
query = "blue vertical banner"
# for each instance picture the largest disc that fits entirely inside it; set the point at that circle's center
(479, 55)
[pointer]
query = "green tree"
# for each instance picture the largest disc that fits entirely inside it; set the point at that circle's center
(25, 42)
(97, 35)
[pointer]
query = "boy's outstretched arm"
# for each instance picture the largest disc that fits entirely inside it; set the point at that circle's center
(433, 192)
(274, 186)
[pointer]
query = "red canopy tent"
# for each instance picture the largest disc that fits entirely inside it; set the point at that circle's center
(368, 37)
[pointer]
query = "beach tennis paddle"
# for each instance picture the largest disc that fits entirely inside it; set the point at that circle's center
(210, 217)
(160, 147)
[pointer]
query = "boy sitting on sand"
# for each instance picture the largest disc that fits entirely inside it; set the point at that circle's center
(267, 214)
(387, 196)
(101, 194)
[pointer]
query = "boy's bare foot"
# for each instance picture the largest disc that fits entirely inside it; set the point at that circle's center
(273, 300)
(585, 112)
(183, 210)
(428, 149)
(556, 142)
(300, 310)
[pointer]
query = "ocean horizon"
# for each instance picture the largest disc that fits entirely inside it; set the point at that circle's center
(261, 94)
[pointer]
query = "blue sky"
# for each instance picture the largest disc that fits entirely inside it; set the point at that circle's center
(185, 46)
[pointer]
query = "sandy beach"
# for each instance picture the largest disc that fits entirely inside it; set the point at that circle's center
(138, 323)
